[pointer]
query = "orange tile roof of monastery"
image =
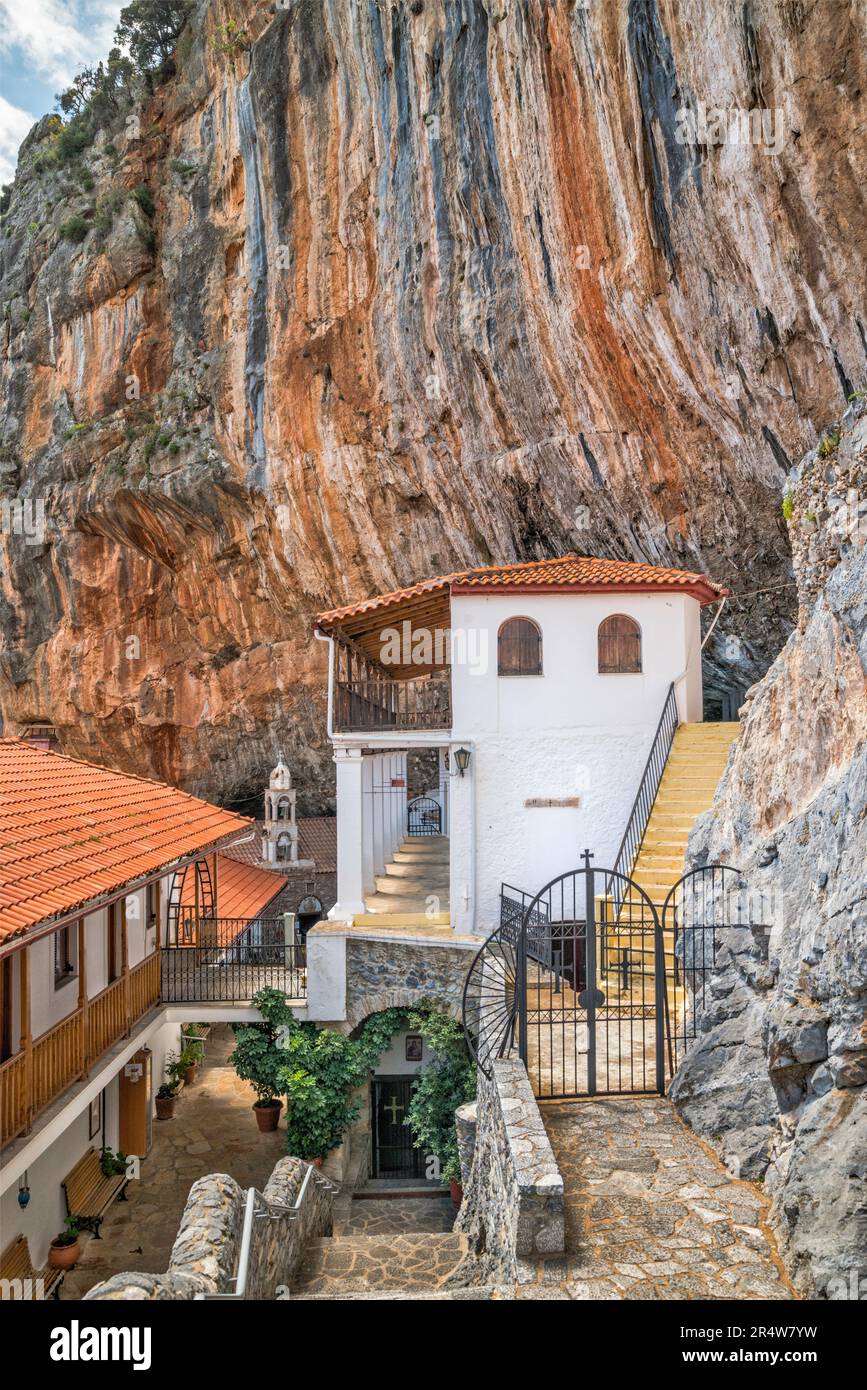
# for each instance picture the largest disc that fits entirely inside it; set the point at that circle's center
(569, 573)
(71, 832)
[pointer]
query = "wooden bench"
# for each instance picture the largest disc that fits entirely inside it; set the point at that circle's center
(89, 1193)
(19, 1278)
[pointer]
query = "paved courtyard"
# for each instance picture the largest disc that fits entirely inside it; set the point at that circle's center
(214, 1131)
(651, 1213)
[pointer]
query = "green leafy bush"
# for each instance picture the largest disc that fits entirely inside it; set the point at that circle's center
(448, 1081)
(75, 228)
(144, 198)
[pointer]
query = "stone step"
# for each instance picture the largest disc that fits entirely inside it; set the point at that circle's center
(388, 920)
(409, 868)
(405, 1261)
(397, 902)
(412, 856)
(417, 886)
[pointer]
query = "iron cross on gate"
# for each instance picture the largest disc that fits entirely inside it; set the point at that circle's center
(394, 1109)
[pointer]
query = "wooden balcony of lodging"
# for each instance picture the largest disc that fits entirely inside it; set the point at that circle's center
(45, 1066)
(369, 697)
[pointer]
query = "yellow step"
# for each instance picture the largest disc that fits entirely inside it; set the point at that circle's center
(402, 919)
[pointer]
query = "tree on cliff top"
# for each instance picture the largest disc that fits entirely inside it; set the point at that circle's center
(149, 29)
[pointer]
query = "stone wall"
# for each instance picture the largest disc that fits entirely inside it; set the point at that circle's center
(777, 1079)
(394, 973)
(512, 1210)
(205, 1254)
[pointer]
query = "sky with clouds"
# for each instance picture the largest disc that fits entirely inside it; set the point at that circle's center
(43, 43)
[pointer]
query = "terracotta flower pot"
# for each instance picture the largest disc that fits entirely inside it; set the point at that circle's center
(166, 1107)
(457, 1192)
(190, 1073)
(267, 1114)
(63, 1256)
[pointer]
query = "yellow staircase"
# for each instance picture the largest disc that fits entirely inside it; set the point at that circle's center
(695, 765)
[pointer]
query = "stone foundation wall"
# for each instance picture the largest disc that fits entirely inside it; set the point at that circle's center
(400, 974)
(205, 1254)
(513, 1199)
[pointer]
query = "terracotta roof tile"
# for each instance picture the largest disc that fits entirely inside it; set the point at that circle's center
(242, 889)
(71, 831)
(569, 572)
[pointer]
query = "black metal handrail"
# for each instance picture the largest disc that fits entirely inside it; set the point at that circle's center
(231, 973)
(514, 904)
(643, 803)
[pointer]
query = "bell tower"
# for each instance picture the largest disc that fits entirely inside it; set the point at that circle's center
(280, 834)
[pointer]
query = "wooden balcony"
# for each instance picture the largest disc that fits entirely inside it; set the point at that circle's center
(40, 1072)
(372, 704)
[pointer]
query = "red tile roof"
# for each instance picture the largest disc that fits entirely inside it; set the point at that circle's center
(575, 573)
(71, 832)
(242, 889)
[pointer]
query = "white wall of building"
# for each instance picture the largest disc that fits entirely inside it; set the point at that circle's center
(568, 733)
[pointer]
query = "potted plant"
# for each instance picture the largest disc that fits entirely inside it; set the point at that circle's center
(166, 1099)
(256, 1059)
(188, 1063)
(167, 1094)
(65, 1249)
(112, 1164)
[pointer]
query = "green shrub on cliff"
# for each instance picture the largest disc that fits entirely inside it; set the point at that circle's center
(74, 228)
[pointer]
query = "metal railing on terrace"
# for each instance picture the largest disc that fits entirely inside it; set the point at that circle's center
(372, 703)
(229, 961)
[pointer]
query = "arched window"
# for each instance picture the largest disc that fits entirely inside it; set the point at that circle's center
(619, 645)
(284, 849)
(519, 648)
(283, 808)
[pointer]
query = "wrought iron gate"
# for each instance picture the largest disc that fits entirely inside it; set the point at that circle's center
(394, 1154)
(578, 990)
(710, 916)
(597, 991)
(424, 816)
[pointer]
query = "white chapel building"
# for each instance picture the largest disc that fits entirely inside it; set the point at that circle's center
(542, 687)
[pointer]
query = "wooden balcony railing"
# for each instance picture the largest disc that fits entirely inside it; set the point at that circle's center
(37, 1075)
(371, 704)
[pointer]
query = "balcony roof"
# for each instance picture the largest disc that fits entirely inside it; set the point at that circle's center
(72, 833)
(428, 604)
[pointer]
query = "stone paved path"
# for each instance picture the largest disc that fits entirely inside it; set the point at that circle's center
(214, 1131)
(402, 1215)
(651, 1213)
(356, 1264)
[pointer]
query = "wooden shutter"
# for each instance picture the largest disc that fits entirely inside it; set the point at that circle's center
(619, 645)
(519, 648)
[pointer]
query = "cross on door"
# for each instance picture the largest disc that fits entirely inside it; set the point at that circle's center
(393, 1109)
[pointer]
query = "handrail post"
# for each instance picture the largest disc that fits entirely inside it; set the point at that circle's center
(26, 1036)
(82, 998)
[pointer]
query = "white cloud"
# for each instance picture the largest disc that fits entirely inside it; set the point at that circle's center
(56, 37)
(14, 125)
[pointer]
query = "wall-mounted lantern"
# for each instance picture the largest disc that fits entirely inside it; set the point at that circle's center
(462, 760)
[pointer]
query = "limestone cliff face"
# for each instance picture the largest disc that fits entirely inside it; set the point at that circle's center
(778, 1076)
(426, 284)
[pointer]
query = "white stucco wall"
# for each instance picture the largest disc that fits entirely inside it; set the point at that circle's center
(570, 732)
